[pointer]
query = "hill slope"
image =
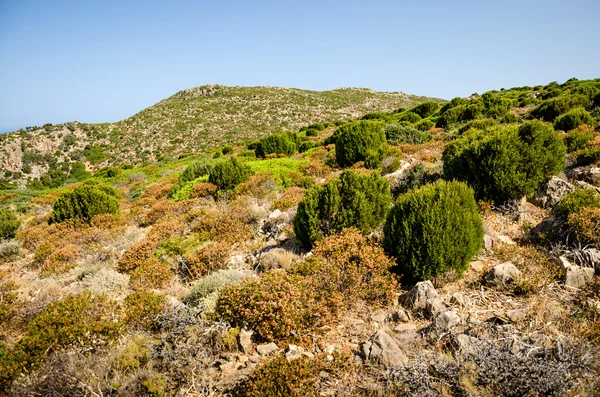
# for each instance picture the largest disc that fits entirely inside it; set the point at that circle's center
(191, 120)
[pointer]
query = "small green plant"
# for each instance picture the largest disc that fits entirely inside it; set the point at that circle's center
(227, 174)
(9, 223)
(433, 229)
(351, 200)
(573, 119)
(426, 109)
(505, 162)
(360, 141)
(588, 156)
(196, 170)
(399, 133)
(577, 140)
(576, 201)
(85, 202)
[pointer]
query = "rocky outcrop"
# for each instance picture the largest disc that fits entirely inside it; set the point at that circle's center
(574, 276)
(550, 194)
(423, 298)
(502, 275)
(382, 349)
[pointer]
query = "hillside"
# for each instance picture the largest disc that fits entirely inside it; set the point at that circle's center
(189, 121)
(444, 249)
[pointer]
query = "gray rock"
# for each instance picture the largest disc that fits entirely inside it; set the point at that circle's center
(293, 353)
(464, 344)
(578, 276)
(245, 341)
(503, 274)
(400, 316)
(585, 185)
(382, 349)
(587, 174)
(550, 194)
(266, 349)
(275, 214)
(459, 299)
(422, 298)
(445, 322)
(574, 276)
(378, 318)
(488, 242)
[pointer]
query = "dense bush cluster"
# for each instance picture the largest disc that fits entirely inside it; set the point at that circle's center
(401, 133)
(353, 199)
(284, 306)
(360, 141)
(576, 201)
(432, 230)
(552, 108)
(227, 174)
(9, 223)
(573, 119)
(505, 162)
(278, 144)
(85, 202)
(196, 170)
(426, 109)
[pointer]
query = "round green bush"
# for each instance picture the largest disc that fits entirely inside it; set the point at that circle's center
(549, 110)
(409, 117)
(505, 162)
(573, 119)
(433, 229)
(399, 133)
(9, 223)
(425, 125)
(575, 201)
(191, 172)
(227, 174)
(451, 116)
(360, 141)
(577, 140)
(85, 202)
(278, 143)
(426, 109)
(353, 199)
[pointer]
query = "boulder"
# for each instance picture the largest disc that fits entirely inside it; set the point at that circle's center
(550, 194)
(445, 322)
(459, 299)
(399, 316)
(423, 298)
(587, 174)
(502, 275)
(574, 276)
(245, 341)
(382, 349)
(266, 349)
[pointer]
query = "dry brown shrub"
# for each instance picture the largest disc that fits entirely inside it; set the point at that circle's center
(207, 259)
(259, 185)
(203, 190)
(60, 260)
(221, 222)
(152, 273)
(160, 189)
(136, 255)
(290, 198)
(48, 199)
(6, 196)
(317, 169)
(586, 224)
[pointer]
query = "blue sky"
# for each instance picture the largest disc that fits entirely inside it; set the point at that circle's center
(103, 61)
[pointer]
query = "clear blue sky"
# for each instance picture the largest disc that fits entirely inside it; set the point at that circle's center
(97, 61)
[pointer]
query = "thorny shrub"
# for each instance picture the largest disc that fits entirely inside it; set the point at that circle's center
(142, 309)
(221, 222)
(207, 259)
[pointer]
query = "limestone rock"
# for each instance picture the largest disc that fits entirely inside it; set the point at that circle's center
(245, 341)
(423, 297)
(574, 276)
(445, 322)
(382, 349)
(266, 349)
(503, 274)
(293, 353)
(488, 242)
(550, 194)
(400, 316)
(459, 299)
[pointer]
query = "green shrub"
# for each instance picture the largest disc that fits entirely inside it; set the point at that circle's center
(9, 223)
(452, 104)
(416, 177)
(190, 173)
(451, 116)
(9, 250)
(425, 125)
(433, 229)
(278, 143)
(588, 156)
(227, 174)
(227, 149)
(552, 108)
(576, 201)
(573, 119)
(205, 291)
(78, 172)
(409, 117)
(351, 200)
(426, 109)
(481, 124)
(399, 133)
(577, 140)
(360, 141)
(505, 162)
(85, 202)
(376, 116)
